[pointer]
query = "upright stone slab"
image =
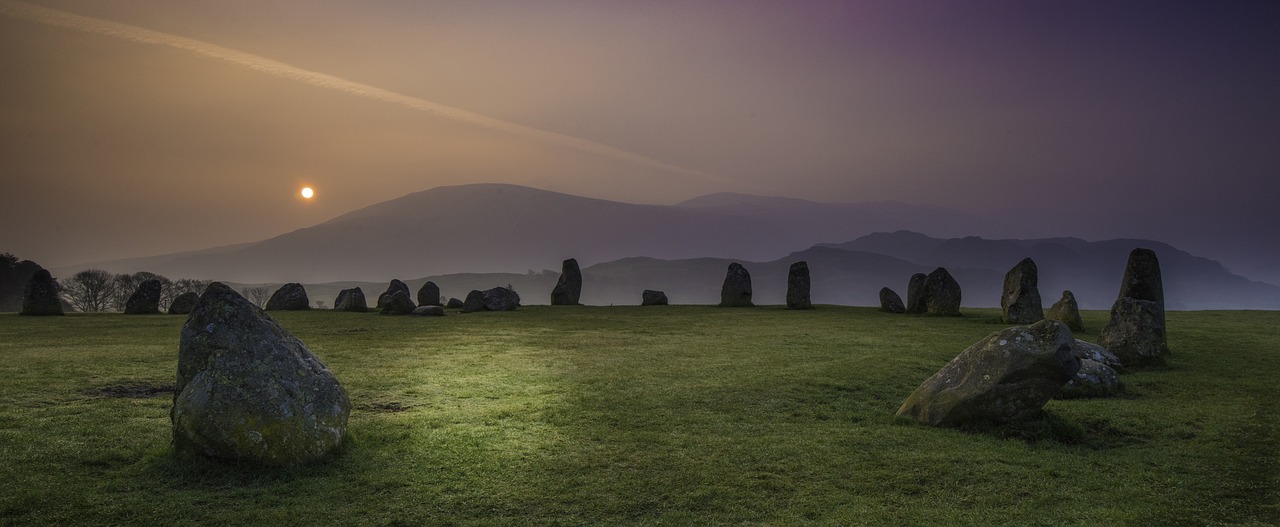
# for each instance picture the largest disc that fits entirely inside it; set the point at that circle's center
(474, 302)
(1142, 279)
(429, 294)
(1020, 301)
(942, 294)
(1008, 375)
(1136, 329)
(184, 303)
(736, 291)
(501, 299)
(890, 302)
(145, 300)
(392, 288)
(653, 298)
(397, 303)
(1066, 311)
(568, 288)
(351, 300)
(248, 390)
(40, 298)
(915, 294)
(798, 286)
(290, 297)
(429, 311)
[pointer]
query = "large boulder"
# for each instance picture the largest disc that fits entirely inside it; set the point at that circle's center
(145, 300)
(184, 303)
(1066, 311)
(736, 291)
(429, 311)
(568, 288)
(653, 298)
(396, 303)
(1020, 301)
(501, 299)
(40, 298)
(474, 302)
(351, 300)
(429, 294)
(392, 288)
(1135, 333)
(798, 286)
(916, 294)
(890, 302)
(249, 390)
(290, 297)
(942, 293)
(1007, 376)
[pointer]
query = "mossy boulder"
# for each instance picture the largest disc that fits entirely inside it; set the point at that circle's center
(248, 390)
(1007, 376)
(1135, 333)
(501, 299)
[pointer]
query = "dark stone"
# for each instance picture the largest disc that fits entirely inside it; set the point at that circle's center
(568, 288)
(1007, 376)
(1094, 379)
(40, 298)
(736, 291)
(1094, 352)
(429, 311)
(290, 297)
(1135, 333)
(351, 300)
(915, 294)
(184, 303)
(1020, 301)
(474, 302)
(454, 303)
(429, 294)
(249, 390)
(145, 300)
(501, 299)
(1066, 311)
(890, 301)
(396, 303)
(395, 286)
(942, 294)
(653, 298)
(1142, 280)
(798, 286)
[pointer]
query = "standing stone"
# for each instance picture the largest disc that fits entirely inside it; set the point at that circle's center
(736, 291)
(40, 298)
(653, 298)
(915, 294)
(395, 286)
(1067, 311)
(1142, 278)
(474, 302)
(798, 286)
(942, 293)
(290, 297)
(429, 311)
(145, 300)
(890, 302)
(248, 390)
(1020, 301)
(454, 303)
(1008, 375)
(1136, 330)
(501, 299)
(351, 300)
(184, 303)
(397, 303)
(429, 294)
(568, 288)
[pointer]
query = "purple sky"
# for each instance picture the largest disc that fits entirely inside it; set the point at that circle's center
(196, 125)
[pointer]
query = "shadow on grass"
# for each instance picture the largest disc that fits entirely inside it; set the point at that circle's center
(1047, 427)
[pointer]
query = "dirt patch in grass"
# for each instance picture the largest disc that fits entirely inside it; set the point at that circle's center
(131, 390)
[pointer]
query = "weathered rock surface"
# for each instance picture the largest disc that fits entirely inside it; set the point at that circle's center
(1135, 333)
(568, 288)
(1094, 352)
(397, 303)
(429, 294)
(653, 298)
(890, 301)
(736, 291)
(798, 286)
(1094, 379)
(394, 287)
(290, 297)
(454, 303)
(501, 299)
(916, 294)
(429, 311)
(474, 302)
(1142, 279)
(40, 298)
(1066, 311)
(145, 300)
(1008, 375)
(249, 390)
(942, 294)
(184, 303)
(351, 300)
(1020, 300)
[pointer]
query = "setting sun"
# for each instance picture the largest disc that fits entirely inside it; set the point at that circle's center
(307, 193)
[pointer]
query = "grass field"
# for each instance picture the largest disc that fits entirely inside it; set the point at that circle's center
(685, 415)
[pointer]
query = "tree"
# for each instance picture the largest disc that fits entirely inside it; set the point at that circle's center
(258, 295)
(14, 275)
(90, 290)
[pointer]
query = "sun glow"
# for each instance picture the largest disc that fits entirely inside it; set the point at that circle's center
(307, 193)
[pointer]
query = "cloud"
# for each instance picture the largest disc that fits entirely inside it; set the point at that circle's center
(274, 68)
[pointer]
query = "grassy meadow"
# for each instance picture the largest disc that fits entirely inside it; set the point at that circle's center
(680, 415)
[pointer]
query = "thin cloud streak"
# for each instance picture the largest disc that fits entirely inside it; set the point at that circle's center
(63, 19)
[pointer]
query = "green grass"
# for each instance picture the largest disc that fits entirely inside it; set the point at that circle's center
(685, 415)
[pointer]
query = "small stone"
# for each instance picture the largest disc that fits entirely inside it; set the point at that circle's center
(474, 302)
(184, 303)
(290, 297)
(429, 311)
(653, 298)
(454, 303)
(1067, 311)
(890, 302)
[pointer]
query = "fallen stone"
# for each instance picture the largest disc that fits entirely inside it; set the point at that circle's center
(429, 311)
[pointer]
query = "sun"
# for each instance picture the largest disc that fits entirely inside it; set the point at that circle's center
(307, 193)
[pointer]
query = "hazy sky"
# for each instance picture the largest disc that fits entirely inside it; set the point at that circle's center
(135, 127)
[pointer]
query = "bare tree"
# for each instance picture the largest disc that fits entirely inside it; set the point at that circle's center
(90, 290)
(258, 295)
(180, 287)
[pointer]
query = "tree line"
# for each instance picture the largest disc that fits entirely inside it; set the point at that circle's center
(95, 290)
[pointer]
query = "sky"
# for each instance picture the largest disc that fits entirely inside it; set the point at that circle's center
(140, 127)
